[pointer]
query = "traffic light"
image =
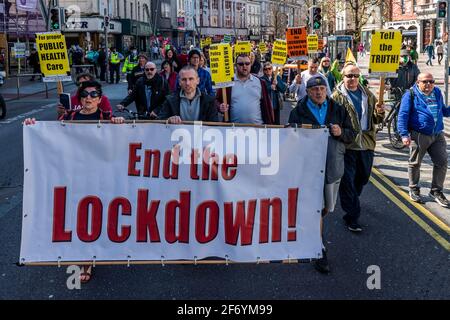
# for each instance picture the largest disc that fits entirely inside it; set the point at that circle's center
(106, 21)
(442, 9)
(316, 17)
(55, 23)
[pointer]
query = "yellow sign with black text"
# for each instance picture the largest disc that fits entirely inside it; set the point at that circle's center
(221, 64)
(242, 47)
(385, 53)
(262, 47)
(279, 53)
(53, 57)
(313, 43)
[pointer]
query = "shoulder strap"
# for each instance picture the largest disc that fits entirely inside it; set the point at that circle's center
(411, 98)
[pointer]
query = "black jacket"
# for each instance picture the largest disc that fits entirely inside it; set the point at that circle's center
(208, 107)
(407, 77)
(336, 114)
(159, 88)
(136, 74)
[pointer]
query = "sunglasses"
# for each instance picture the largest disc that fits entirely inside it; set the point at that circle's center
(427, 81)
(269, 68)
(350, 76)
(149, 69)
(241, 64)
(93, 94)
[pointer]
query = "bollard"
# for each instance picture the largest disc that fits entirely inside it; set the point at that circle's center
(46, 90)
(18, 85)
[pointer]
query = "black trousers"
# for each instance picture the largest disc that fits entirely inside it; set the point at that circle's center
(114, 69)
(103, 72)
(358, 167)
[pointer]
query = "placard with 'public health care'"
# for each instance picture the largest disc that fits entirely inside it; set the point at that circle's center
(385, 53)
(53, 57)
(279, 53)
(222, 71)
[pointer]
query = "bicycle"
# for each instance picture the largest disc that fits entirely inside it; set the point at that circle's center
(390, 121)
(133, 115)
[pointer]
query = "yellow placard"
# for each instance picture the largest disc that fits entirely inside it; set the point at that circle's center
(385, 53)
(53, 57)
(222, 71)
(242, 47)
(279, 53)
(262, 47)
(313, 43)
(205, 42)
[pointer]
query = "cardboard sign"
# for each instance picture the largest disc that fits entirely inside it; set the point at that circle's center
(221, 64)
(279, 53)
(53, 56)
(205, 42)
(242, 47)
(226, 38)
(385, 53)
(313, 43)
(296, 39)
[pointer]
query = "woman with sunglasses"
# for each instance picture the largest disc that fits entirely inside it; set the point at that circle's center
(75, 101)
(90, 95)
(276, 89)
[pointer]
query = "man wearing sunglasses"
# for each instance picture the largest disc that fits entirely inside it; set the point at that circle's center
(365, 113)
(149, 92)
(249, 100)
(421, 126)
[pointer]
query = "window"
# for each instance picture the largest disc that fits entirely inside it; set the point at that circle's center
(165, 10)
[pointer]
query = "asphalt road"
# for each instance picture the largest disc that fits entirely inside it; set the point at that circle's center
(413, 263)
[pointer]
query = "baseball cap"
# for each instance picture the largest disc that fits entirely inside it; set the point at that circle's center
(316, 81)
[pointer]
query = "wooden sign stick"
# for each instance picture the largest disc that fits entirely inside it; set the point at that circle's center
(381, 92)
(224, 94)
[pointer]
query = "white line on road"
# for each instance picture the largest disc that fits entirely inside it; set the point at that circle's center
(27, 114)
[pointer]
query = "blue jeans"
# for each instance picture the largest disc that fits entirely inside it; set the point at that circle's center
(358, 167)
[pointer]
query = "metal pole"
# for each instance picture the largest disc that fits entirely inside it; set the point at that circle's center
(106, 47)
(446, 58)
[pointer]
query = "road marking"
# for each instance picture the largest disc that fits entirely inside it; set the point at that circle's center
(27, 114)
(444, 243)
(422, 209)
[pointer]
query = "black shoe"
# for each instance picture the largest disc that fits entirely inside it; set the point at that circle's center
(439, 197)
(321, 264)
(415, 196)
(353, 226)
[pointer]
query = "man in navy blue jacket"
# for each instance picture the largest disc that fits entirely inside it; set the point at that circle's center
(421, 126)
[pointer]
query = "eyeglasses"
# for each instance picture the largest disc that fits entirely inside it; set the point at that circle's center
(93, 94)
(149, 69)
(269, 68)
(241, 64)
(350, 76)
(427, 81)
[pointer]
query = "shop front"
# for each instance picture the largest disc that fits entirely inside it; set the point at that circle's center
(89, 33)
(137, 34)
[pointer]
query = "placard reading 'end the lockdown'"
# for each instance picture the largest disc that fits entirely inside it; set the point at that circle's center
(296, 39)
(222, 71)
(279, 53)
(385, 53)
(53, 57)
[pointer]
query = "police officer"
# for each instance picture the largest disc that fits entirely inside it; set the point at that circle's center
(114, 65)
(130, 62)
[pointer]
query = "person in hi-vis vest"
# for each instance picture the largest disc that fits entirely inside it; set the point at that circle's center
(115, 58)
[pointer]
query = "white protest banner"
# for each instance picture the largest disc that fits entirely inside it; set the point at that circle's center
(26, 5)
(108, 193)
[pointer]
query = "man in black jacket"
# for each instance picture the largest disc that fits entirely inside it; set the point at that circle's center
(319, 110)
(407, 73)
(149, 92)
(188, 103)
